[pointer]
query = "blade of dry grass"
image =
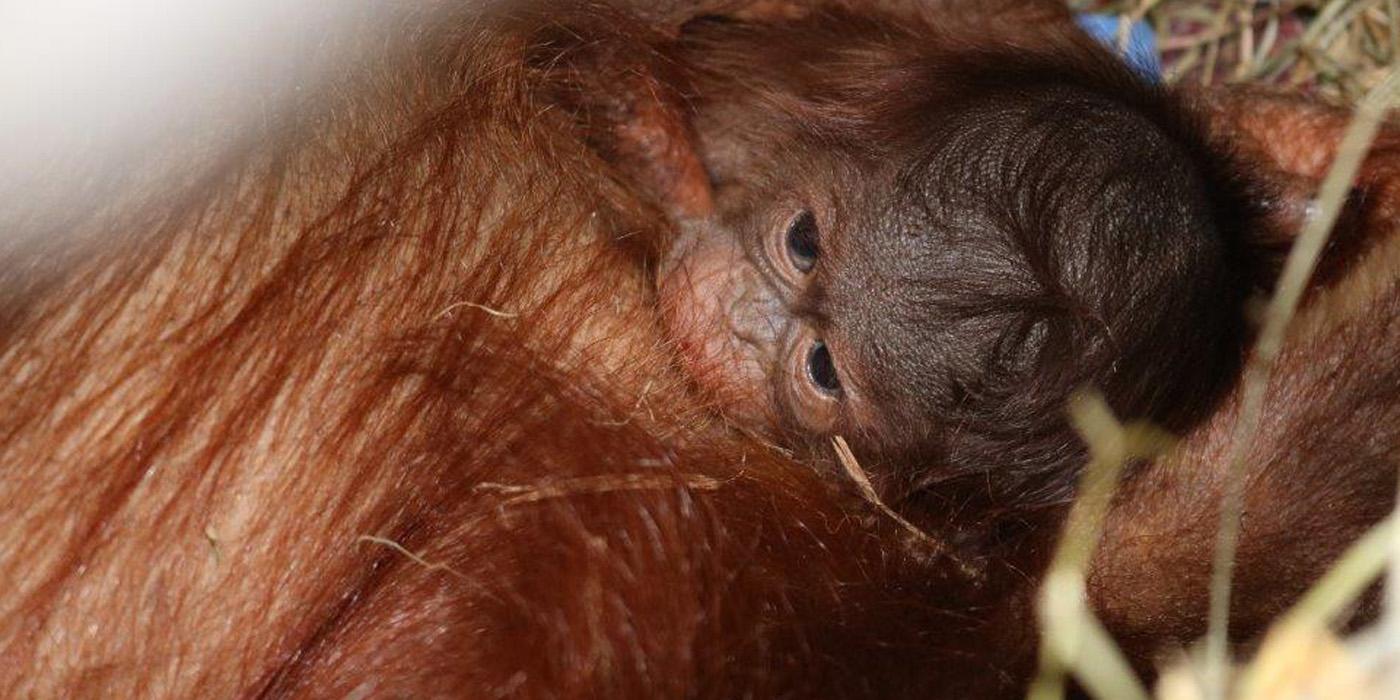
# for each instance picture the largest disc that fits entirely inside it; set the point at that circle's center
(1306, 624)
(935, 546)
(1348, 578)
(1075, 642)
(1302, 259)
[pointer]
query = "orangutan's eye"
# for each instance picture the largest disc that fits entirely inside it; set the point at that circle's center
(803, 241)
(821, 370)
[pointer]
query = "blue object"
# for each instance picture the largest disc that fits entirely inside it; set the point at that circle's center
(1141, 53)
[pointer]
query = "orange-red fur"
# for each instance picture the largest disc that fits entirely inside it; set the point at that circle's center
(371, 400)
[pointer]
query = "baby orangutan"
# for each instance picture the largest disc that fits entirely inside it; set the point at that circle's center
(926, 247)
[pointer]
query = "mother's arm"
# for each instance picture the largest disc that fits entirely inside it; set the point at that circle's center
(1322, 467)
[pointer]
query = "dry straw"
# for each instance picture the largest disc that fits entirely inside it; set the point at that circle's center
(1343, 51)
(1339, 50)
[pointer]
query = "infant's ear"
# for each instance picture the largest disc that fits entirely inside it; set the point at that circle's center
(653, 144)
(614, 76)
